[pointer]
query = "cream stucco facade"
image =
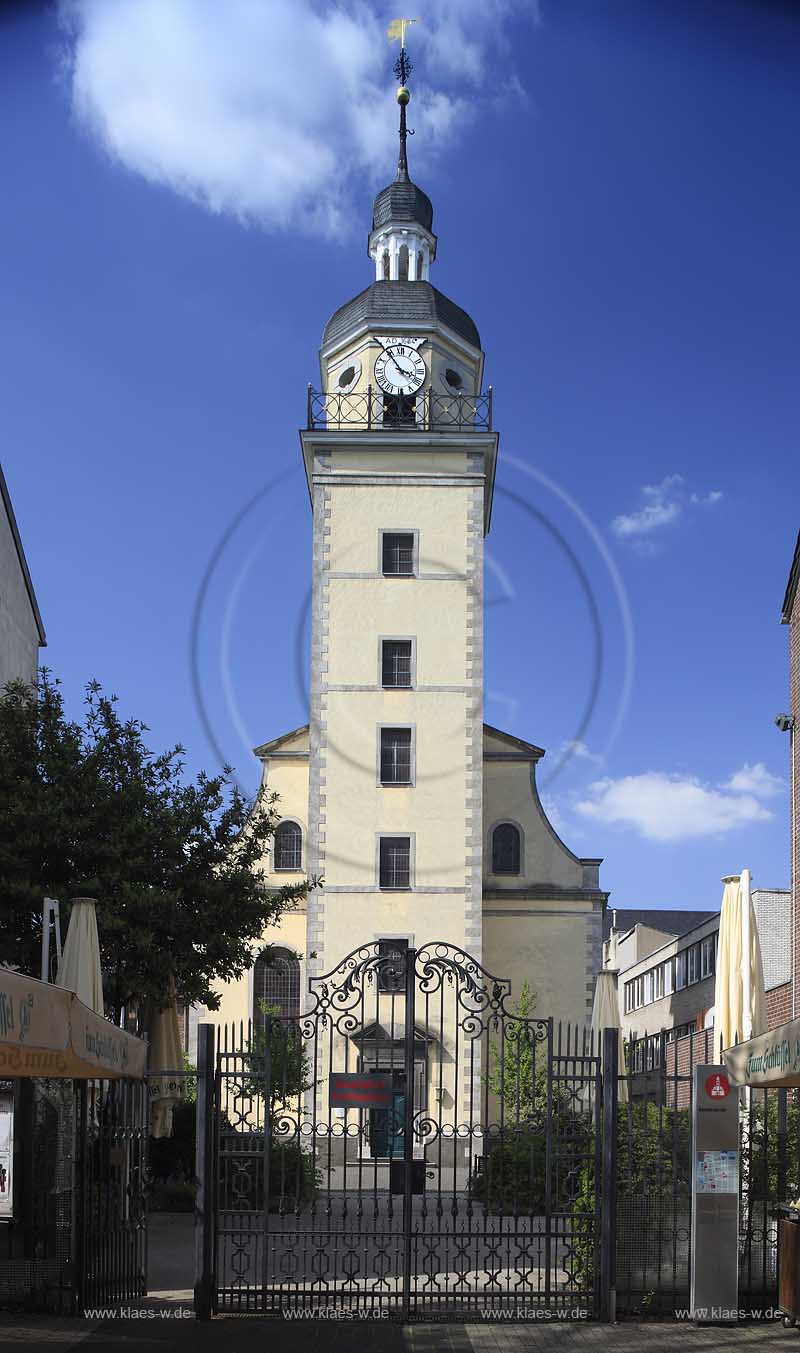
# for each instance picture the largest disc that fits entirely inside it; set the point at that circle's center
(543, 926)
(417, 821)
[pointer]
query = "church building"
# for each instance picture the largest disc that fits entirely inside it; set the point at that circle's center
(415, 820)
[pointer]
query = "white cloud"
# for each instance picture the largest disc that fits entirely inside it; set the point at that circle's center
(709, 500)
(273, 112)
(661, 505)
(757, 780)
(556, 819)
(670, 808)
(577, 750)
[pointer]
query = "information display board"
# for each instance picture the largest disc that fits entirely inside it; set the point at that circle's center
(715, 1196)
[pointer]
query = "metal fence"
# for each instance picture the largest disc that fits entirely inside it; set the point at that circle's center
(78, 1236)
(371, 410)
(654, 1162)
(414, 1144)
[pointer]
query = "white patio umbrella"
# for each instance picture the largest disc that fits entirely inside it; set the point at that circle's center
(605, 1015)
(79, 969)
(166, 1059)
(739, 1001)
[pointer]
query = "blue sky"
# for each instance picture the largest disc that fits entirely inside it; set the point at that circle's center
(617, 206)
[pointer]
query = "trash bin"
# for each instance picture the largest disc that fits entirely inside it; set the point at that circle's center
(788, 1263)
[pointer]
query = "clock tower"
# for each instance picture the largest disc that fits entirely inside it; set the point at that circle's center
(400, 455)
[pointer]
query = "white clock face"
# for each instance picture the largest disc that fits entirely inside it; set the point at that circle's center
(399, 370)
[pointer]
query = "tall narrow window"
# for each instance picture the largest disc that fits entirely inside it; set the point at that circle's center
(396, 756)
(506, 849)
(395, 862)
(694, 964)
(392, 965)
(396, 662)
(398, 552)
(276, 986)
(289, 846)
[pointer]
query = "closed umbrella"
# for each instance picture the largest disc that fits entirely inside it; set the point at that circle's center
(739, 1001)
(79, 969)
(165, 1065)
(605, 1015)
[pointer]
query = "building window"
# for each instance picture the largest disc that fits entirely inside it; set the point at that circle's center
(289, 846)
(396, 662)
(397, 553)
(708, 956)
(396, 756)
(658, 982)
(394, 866)
(276, 986)
(506, 849)
(648, 987)
(680, 970)
(669, 977)
(392, 965)
(694, 964)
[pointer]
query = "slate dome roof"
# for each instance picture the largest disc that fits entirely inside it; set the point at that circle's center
(387, 302)
(402, 201)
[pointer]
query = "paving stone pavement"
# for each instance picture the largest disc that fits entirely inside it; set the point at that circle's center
(238, 1335)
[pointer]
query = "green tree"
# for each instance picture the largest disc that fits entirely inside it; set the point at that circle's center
(176, 867)
(517, 1062)
(293, 1174)
(289, 1073)
(513, 1178)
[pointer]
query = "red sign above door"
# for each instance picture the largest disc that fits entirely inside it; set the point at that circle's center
(350, 1090)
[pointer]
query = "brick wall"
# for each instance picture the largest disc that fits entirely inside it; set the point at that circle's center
(779, 1005)
(681, 1056)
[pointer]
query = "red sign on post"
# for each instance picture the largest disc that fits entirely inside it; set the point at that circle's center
(717, 1086)
(350, 1090)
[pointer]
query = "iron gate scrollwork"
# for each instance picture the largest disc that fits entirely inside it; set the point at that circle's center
(459, 1187)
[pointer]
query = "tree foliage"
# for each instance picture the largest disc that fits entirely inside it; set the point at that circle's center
(289, 1070)
(515, 1070)
(176, 867)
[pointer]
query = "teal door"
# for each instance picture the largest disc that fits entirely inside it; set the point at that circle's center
(386, 1125)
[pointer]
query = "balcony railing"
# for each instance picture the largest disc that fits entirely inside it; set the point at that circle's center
(373, 411)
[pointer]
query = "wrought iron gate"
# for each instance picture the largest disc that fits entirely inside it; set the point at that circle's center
(112, 1125)
(417, 1143)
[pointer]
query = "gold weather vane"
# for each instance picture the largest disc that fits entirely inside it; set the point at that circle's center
(396, 32)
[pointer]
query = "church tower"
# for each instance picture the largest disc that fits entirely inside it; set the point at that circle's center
(400, 455)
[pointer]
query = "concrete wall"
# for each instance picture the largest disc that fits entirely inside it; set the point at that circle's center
(794, 755)
(19, 635)
(543, 926)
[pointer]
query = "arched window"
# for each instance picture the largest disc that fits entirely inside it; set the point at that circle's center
(386, 265)
(289, 846)
(276, 985)
(402, 271)
(506, 849)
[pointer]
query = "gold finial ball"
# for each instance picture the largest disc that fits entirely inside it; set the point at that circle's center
(403, 95)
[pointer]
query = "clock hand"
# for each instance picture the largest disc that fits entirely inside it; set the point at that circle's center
(404, 371)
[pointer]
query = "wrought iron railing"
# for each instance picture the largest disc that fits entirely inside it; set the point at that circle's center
(372, 410)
